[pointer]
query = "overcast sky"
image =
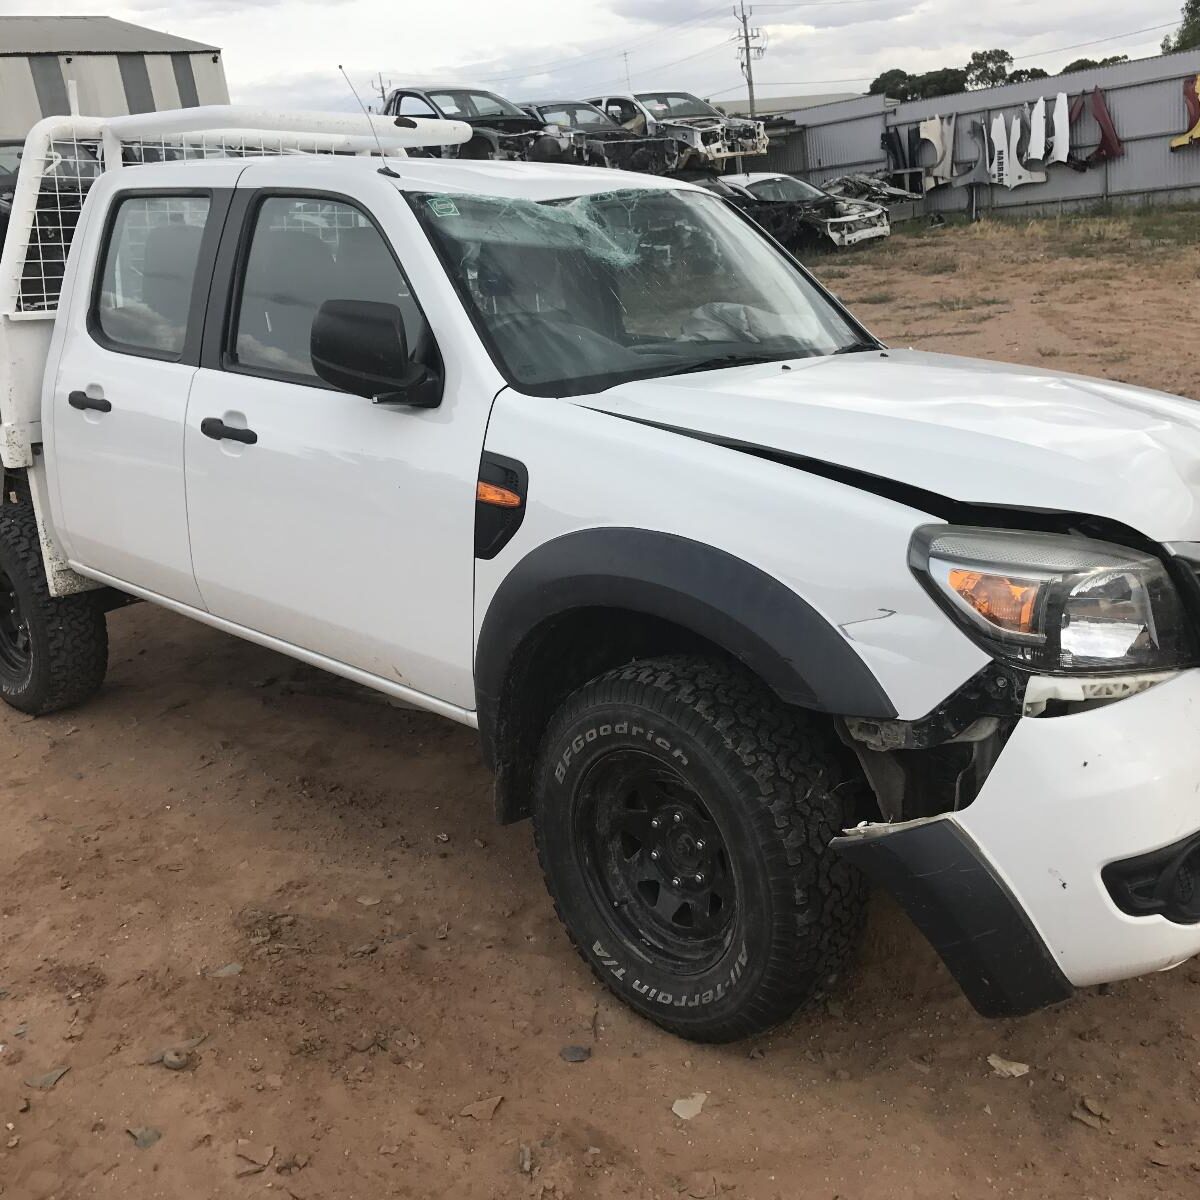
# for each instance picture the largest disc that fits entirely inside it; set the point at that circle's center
(285, 52)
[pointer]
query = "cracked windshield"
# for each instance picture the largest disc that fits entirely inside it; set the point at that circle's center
(575, 296)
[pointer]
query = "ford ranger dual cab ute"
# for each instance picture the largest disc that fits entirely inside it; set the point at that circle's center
(748, 608)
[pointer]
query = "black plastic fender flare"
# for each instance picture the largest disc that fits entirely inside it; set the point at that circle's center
(804, 659)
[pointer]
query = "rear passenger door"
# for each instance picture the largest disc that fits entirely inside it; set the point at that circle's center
(130, 347)
(335, 525)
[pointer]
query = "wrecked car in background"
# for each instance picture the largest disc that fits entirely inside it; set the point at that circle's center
(500, 130)
(711, 136)
(843, 222)
(596, 140)
(868, 187)
(789, 224)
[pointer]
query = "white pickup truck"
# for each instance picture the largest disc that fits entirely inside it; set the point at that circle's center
(746, 607)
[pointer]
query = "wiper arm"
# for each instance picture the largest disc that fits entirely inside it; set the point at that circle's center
(858, 347)
(726, 360)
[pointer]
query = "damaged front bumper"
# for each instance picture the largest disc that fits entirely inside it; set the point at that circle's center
(1077, 863)
(849, 231)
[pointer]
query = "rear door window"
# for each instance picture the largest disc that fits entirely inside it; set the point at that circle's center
(148, 275)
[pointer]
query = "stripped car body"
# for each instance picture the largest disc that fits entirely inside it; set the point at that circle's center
(596, 140)
(791, 225)
(870, 188)
(843, 222)
(711, 136)
(500, 130)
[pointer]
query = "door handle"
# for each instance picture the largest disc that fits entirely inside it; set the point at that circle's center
(83, 400)
(215, 428)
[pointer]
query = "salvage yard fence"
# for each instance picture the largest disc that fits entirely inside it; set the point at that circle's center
(1145, 99)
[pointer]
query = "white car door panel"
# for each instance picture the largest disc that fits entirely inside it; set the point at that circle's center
(121, 390)
(338, 525)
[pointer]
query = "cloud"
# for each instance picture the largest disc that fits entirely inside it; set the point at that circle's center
(285, 52)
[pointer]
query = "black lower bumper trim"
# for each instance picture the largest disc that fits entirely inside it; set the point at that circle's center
(967, 912)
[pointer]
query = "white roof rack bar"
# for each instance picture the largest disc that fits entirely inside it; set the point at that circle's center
(416, 131)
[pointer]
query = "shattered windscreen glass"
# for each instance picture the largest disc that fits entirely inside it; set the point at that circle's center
(575, 296)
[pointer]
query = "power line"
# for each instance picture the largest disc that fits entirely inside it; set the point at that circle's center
(1116, 37)
(641, 71)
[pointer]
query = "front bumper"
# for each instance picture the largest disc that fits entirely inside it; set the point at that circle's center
(849, 231)
(1011, 889)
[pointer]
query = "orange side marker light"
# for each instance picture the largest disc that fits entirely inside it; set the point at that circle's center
(497, 496)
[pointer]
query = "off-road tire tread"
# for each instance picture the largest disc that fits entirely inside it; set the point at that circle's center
(77, 635)
(808, 790)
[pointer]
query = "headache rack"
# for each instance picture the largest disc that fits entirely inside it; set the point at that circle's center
(64, 156)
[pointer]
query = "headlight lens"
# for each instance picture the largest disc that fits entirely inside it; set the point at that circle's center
(1052, 602)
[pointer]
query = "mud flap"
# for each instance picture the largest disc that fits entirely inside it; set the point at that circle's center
(946, 884)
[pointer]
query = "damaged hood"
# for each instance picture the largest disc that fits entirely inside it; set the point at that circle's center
(972, 431)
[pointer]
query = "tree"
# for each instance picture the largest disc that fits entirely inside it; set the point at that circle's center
(948, 81)
(895, 83)
(1086, 64)
(900, 85)
(1187, 36)
(1027, 74)
(988, 68)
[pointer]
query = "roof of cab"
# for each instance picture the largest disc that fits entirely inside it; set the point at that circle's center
(515, 180)
(530, 181)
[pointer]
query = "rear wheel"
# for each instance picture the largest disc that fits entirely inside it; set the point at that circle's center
(53, 649)
(683, 817)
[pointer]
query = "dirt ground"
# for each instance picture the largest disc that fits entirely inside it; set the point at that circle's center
(228, 844)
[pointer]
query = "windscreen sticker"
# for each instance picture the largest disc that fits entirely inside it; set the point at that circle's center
(443, 206)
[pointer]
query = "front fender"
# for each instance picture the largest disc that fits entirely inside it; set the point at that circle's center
(751, 615)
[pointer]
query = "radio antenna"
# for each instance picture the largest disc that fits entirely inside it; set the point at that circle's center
(385, 169)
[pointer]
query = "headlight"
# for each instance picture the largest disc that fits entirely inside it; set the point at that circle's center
(1054, 603)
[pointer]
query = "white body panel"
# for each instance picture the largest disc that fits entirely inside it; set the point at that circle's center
(978, 432)
(348, 528)
(1018, 173)
(788, 523)
(999, 140)
(1060, 142)
(1070, 794)
(1036, 150)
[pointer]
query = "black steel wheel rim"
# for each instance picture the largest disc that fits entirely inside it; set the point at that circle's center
(14, 630)
(655, 860)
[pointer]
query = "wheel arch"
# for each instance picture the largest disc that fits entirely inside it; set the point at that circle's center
(587, 601)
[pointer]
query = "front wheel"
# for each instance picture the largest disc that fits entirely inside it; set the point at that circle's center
(53, 649)
(683, 817)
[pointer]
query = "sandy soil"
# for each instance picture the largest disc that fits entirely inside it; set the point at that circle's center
(228, 844)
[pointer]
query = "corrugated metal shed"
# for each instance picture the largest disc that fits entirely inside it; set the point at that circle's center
(113, 67)
(1145, 99)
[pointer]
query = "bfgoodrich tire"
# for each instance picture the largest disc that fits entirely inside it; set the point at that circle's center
(683, 817)
(53, 649)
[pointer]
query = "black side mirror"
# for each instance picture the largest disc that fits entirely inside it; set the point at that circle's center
(360, 347)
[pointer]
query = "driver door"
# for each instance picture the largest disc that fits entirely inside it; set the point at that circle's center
(330, 524)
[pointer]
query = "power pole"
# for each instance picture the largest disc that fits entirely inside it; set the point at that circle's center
(628, 80)
(751, 46)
